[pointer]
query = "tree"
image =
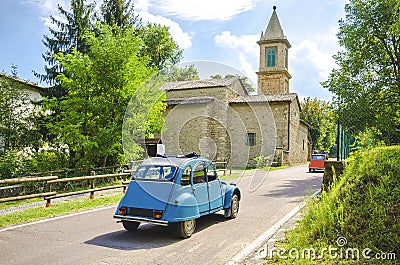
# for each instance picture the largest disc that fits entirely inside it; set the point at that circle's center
(243, 79)
(367, 82)
(217, 76)
(320, 116)
(66, 36)
(120, 13)
(159, 46)
(186, 73)
(99, 84)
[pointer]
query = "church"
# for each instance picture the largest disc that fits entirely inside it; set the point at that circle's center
(221, 120)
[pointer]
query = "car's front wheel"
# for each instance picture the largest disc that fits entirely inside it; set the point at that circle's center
(232, 211)
(130, 226)
(183, 229)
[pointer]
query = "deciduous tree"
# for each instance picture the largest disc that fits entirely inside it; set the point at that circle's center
(320, 116)
(159, 46)
(366, 83)
(100, 84)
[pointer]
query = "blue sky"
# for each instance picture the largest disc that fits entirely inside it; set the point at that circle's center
(223, 31)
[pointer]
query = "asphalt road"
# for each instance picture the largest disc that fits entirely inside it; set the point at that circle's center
(95, 238)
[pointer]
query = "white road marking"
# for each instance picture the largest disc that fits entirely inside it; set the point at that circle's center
(267, 234)
(55, 218)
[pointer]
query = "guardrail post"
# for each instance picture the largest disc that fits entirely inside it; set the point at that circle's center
(92, 173)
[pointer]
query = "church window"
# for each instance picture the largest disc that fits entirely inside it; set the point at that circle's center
(251, 139)
(271, 57)
(286, 59)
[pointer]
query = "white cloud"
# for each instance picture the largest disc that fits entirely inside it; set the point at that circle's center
(246, 48)
(142, 5)
(203, 9)
(183, 39)
(309, 53)
(47, 7)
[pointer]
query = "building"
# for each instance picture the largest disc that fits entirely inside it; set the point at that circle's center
(30, 92)
(30, 88)
(221, 120)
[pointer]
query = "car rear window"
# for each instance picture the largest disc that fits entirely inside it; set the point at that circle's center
(154, 172)
(318, 157)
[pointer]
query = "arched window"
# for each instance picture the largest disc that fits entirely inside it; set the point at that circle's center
(271, 57)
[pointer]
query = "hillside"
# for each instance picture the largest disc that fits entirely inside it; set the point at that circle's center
(358, 219)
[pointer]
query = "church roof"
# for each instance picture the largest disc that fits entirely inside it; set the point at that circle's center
(274, 30)
(189, 101)
(265, 98)
(196, 84)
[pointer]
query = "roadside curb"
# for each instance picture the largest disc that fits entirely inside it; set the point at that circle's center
(263, 239)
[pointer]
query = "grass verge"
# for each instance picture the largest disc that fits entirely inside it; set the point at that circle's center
(357, 219)
(58, 209)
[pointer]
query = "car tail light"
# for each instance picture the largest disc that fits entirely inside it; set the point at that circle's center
(122, 210)
(157, 214)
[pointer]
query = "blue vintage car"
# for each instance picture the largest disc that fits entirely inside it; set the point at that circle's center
(174, 191)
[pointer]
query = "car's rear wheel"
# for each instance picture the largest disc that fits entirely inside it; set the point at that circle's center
(130, 226)
(183, 229)
(232, 211)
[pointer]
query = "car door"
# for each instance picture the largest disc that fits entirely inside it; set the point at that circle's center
(200, 188)
(214, 188)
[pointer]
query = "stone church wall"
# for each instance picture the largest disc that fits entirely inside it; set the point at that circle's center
(298, 136)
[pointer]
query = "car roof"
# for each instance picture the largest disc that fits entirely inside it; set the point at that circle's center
(170, 161)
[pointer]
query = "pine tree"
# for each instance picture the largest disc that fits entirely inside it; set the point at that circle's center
(66, 35)
(120, 13)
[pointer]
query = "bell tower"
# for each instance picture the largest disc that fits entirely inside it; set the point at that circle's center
(273, 74)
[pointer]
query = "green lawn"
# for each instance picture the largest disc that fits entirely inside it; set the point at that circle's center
(57, 209)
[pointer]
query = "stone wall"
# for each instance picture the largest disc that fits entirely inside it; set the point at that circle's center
(272, 84)
(298, 136)
(219, 131)
(280, 112)
(330, 168)
(254, 118)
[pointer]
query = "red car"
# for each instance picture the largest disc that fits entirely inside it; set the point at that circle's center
(317, 162)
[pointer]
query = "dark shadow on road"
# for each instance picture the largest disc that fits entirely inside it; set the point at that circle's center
(297, 188)
(149, 236)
